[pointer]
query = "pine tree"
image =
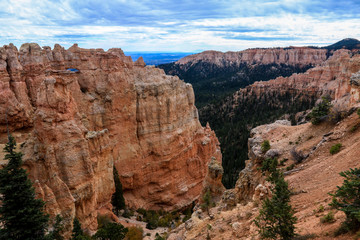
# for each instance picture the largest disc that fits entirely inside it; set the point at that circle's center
(58, 227)
(347, 199)
(21, 214)
(117, 200)
(276, 218)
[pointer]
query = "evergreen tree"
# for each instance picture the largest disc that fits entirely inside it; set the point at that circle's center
(111, 231)
(77, 232)
(117, 200)
(347, 199)
(55, 234)
(276, 219)
(21, 214)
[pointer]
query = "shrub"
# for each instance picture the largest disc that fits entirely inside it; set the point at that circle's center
(358, 112)
(347, 199)
(282, 162)
(269, 165)
(321, 209)
(158, 237)
(207, 201)
(335, 148)
(291, 167)
(111, 230)
(298, 157)
(320, 111)
(354, 128)
(328, 218)
(134, 233)
(265, 146)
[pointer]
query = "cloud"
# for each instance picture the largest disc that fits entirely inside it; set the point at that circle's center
(187, 25)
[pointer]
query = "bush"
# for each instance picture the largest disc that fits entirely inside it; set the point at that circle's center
(298, 157)
(134, 233)
(207, 201)
(158, 237)
(335, 148)
(354, 128)
(328, 218)
(265, 146)
(269, 165)
(320, 111)
(358, 112)
(347, 199)
(111, 231)
(291, 167)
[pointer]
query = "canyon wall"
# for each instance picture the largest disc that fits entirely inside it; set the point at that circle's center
(76, 113)
(330, 78)
(291, 56)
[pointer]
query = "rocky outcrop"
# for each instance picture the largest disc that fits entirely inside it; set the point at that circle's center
(292, 56)
(79, 112)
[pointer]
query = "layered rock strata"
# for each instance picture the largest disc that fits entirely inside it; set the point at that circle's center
(79, 112)
(293, 56)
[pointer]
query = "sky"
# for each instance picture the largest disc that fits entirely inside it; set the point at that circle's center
(179, 25)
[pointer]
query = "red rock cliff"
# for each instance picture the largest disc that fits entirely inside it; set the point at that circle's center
(75, 125)
(291, 56)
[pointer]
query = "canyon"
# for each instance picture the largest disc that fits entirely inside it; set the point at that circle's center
(217, 77)
(311, 179)
(76, 113)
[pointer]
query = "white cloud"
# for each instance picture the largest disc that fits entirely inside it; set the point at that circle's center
(243, 25)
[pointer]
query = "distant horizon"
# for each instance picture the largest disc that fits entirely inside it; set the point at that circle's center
(175, 52)
(179, 26)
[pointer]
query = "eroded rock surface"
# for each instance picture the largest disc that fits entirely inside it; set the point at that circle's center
(79, 112)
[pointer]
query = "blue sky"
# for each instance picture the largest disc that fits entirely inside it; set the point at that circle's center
(179, 26)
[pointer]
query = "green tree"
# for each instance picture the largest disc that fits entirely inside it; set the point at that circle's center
(56, 233)
(21, 214)
(276, 218)
(111, 231)
(320, 110)
(347, 198)
(117, 199)
(77, 232)
(265, 146)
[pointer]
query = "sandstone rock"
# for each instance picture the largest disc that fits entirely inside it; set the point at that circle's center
(293, 56)
(75, 126)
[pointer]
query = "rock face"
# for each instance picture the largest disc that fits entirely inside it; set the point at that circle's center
(79, 112)
(292, 56)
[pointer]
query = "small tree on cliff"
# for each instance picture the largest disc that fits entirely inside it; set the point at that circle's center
(117, 199)
(347, 199)
(276, 219)
(21, 214)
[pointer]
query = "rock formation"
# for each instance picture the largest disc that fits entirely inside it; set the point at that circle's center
(78, 112)
(292, 56)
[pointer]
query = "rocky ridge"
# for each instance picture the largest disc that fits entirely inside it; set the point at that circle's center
(291, 56)
(78, 112)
